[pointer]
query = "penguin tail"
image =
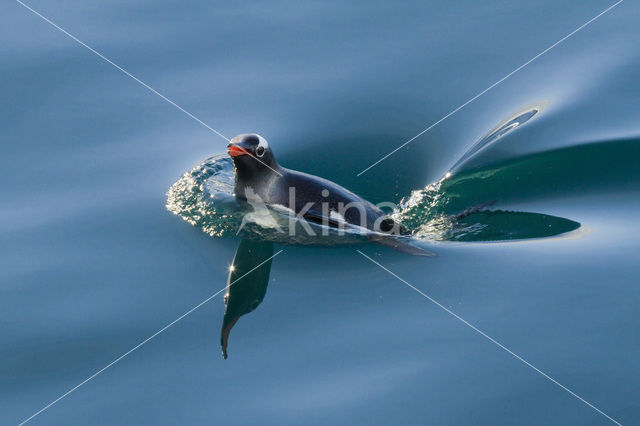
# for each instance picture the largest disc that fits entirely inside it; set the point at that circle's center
(400, 245)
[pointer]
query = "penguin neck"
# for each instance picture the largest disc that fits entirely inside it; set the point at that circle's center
(257, 179)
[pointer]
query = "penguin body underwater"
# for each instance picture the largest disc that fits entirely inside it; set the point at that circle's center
(259, 176)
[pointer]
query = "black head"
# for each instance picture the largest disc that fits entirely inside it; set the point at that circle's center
(251, 155)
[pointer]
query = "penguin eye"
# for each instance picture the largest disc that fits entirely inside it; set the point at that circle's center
(260, 151)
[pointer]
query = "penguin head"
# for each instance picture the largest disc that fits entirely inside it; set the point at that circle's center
(251, 154)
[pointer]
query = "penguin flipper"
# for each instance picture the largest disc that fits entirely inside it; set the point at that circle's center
(386, 240)
(315, 217)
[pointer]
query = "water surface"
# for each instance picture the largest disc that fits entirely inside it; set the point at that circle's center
(92, 263)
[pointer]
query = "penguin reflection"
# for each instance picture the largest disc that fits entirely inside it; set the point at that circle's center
(245, 294)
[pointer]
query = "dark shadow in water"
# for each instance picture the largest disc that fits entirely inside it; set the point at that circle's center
(502, 225)
(246, 285)
(578, 170)
(591, 167)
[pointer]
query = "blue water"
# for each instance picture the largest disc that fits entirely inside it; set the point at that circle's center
(92, 262)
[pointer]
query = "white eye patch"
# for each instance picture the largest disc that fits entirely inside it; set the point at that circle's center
(262, 142)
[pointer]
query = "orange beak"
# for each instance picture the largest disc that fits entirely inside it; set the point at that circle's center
(236, 151)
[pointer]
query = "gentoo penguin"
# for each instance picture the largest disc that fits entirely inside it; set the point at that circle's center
(259, 176)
